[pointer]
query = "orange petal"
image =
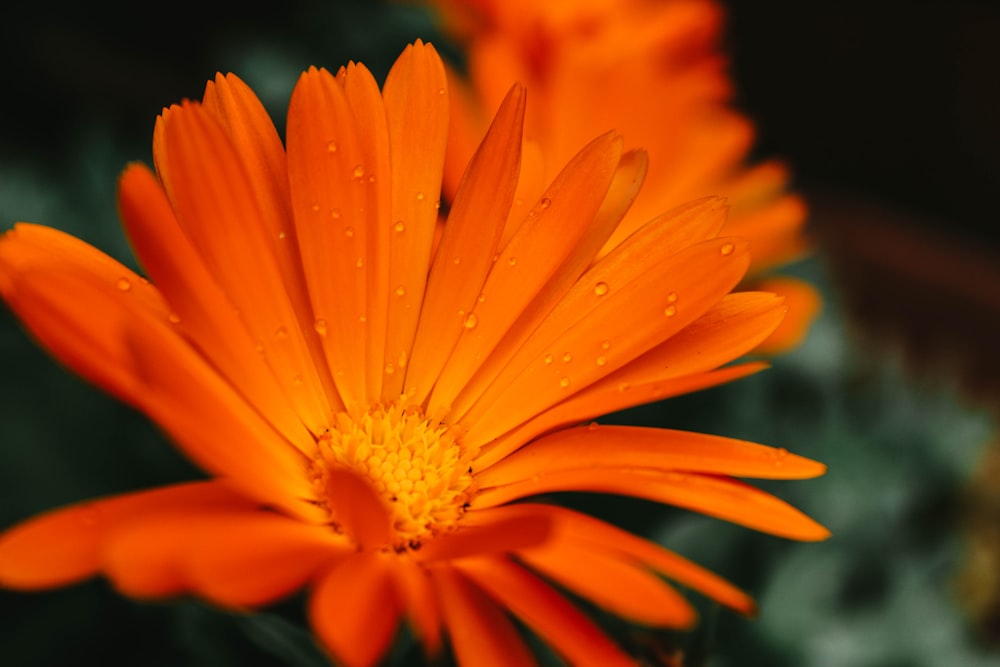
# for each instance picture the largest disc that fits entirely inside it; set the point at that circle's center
(416, 591)
(481, 533)
(481, 633)
(416, 108)
(254, 558)
(217, 207)
(803, 303)
(612, 581)
(199, 307)
(465, 253)
(721, 497)
(332, 197)
(573, 635)
(540, 246)
(587, 532)
(64, 545)
(354, 609)
(603, 398)
(630, 447)
(611, 316)
(358, 508)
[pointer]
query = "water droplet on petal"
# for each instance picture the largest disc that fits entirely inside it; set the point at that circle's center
(281, 333)
(420, 196)
(727, 249)
(512, 261)
(400, 226)
(456, 261)
(401, 362)
(349, 232)
(567, 357)
(624, 386)
(441, 91)
(320, 326)
(601, 288)
(173, 318)
(672, 297)
(390, 369)
(602, 360)
(362, 319)
(124, 284)
(297, 381)
(281, 236)
(360, 263)
(400, 290)
(471, 321)
(605, 344)
(548, 358)
(481, 298)
(670, 311)
(564, 382)
(335, 213)
(315, 208)
(544, 203)
(331, 146)
(359, 171)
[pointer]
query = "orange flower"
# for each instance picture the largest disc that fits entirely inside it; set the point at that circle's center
(372, 403)
(653, 71)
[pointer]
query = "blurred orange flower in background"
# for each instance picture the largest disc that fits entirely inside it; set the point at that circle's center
(373, 401)
(652, 71)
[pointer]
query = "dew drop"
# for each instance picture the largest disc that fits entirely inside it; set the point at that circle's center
(456, 261)
(259, 348)
(564, 382)
(545, 203)
(512, 261)
(360, 263)
(481, 298)
(123, 284)
(173, 318)
(401, 362)
(362, 318)
(624, 386)
(420, 196)
(672, 297)
(281, 236)
(335, 213)
(601, 288)
(281, 333)
(548, 358)
(315, 208)
(390, 369)
(567, 357)
(602, 360)
(471, 321)
(441, 91)
(359, 171)
(320, 326)
(670, 311)
(400, 226)
(331, 146)
(605, 344)
(400, 290)
(297, 381)
(349, 232)
(727, 249)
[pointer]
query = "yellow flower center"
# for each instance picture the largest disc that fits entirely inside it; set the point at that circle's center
(417, 466)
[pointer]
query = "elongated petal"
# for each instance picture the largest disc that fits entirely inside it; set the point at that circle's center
(416, 107)
(64, 545)
(481, 633)
(199, 308)
(720, 497)
(609, 317)
(539, 247)
(251, 559)
(465, 253)
(354, 609)
(651, 448)
(603, 398)
(545, 611)
(417, 593)
(216, 205)
(803, 304)
(614, 582)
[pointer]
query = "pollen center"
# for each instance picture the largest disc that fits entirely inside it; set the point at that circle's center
(416, 465)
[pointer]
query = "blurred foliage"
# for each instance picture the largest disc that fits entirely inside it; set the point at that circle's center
(880, 593)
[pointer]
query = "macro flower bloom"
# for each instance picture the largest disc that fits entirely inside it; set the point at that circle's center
(653, 70)
(378, 399)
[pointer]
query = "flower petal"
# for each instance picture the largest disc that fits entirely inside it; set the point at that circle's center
(465, 254)
(481, 633)
(354, 609)
(483, 533)
(721, 497)
(416, 108)
(358, 508)
(199, 307)
(573, 635)
(416, 591)
(803, 304)
(216, 205)
(63, 546)
(632, 447)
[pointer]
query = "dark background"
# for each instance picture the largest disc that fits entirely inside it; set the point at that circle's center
(888, 113)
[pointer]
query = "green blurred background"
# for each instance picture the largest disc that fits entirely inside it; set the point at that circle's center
(887, 114)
